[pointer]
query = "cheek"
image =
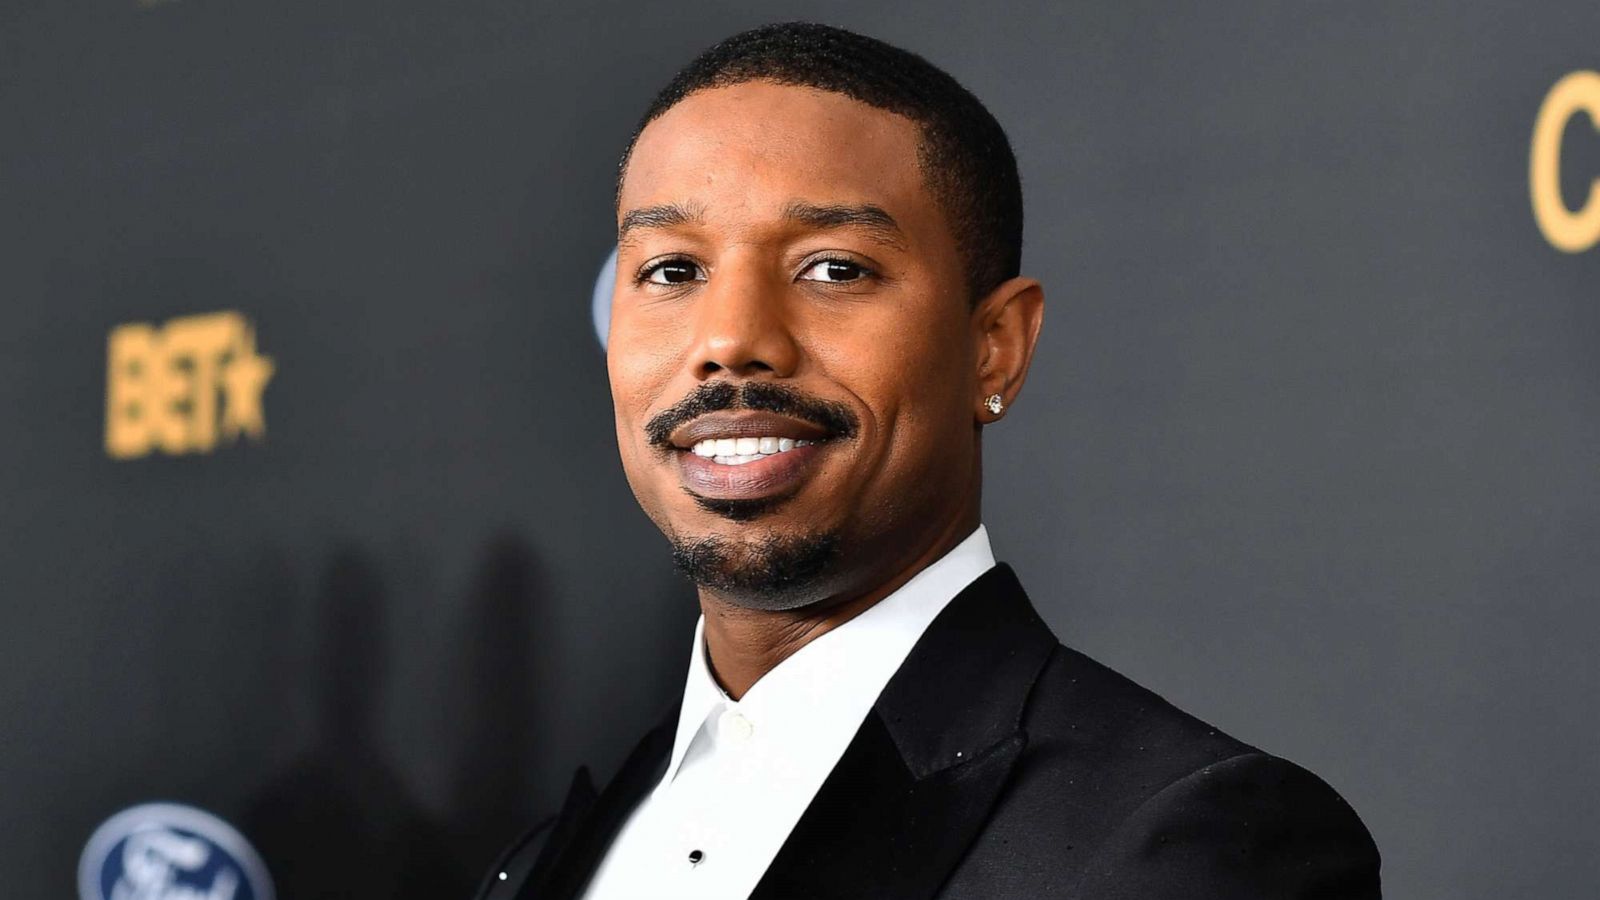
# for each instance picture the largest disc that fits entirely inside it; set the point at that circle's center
(631, 388)
(638, 374)
(643, 353)
(913, 380)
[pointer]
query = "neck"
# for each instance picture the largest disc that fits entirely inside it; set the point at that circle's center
(744, 644)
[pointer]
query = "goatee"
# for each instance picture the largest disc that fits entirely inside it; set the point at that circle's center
(771, 573)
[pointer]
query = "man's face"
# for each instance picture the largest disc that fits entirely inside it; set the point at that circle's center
(791, 355)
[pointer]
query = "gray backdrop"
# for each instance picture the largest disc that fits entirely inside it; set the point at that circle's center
(1310, 447)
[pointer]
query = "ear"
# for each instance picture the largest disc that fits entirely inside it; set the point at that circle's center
(1006, 326)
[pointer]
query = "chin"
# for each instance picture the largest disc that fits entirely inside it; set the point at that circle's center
(760, 568)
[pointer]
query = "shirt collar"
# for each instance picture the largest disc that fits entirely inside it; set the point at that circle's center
(838, 676)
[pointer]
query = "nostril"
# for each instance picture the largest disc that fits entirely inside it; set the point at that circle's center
(711, 367)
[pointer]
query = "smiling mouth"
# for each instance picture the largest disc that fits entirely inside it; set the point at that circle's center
(742, 485)
(744, 450)
(744, 456)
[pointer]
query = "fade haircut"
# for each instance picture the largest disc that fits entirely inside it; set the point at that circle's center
(964, 155)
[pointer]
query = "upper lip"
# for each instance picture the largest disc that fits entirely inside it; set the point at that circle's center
(744, 424)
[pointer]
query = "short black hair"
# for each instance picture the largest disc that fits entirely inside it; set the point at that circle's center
(965, 157)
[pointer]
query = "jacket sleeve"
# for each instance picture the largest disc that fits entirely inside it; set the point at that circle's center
(1248, 827)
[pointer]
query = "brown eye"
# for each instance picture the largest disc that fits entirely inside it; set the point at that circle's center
(836, 271)
(673, 271)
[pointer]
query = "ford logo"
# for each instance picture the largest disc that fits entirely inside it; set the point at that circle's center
(163, 851)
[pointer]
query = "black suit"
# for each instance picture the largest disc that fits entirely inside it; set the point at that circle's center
(999, 764)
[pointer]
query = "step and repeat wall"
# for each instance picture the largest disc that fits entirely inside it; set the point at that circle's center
(318, 572)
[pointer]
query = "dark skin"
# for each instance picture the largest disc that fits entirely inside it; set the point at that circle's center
(726, 271)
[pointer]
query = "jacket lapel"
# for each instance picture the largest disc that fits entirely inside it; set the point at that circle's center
(918, 780)
(587, 824)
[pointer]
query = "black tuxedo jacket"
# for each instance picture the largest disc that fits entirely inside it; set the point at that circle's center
(999, 764)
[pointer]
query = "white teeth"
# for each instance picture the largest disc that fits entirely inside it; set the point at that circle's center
(738, 451)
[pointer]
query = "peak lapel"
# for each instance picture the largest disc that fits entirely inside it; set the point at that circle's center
(587, 824)
(919, 778)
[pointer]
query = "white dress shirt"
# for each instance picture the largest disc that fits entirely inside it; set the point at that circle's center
(742, 771)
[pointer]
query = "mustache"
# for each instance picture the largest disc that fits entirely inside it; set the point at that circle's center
(833, 417)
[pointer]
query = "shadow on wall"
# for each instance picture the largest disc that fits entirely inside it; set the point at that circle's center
(338, 822)
(499, 763)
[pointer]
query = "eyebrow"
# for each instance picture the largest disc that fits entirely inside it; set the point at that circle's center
(873, 220)
(664, 215)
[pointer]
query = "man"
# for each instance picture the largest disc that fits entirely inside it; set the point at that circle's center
(818, 311)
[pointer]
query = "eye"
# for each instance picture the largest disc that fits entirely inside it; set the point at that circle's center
(835, 270)
(671, 272)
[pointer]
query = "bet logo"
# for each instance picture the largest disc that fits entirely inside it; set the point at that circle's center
(163, 851)
(164, 383)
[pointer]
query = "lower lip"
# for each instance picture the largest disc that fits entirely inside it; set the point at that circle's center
(767, 477)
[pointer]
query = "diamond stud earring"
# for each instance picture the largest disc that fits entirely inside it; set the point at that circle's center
(995, 404)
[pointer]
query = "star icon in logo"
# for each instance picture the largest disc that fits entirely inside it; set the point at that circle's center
(244, 379)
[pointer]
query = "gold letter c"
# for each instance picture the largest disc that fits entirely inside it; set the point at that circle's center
(1573, 232)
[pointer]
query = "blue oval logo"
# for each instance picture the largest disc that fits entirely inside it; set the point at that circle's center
(600, 299)
(164, 851)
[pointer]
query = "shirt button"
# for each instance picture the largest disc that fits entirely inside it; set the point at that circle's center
(735, 727)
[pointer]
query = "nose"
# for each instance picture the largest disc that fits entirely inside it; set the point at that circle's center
(742, 325)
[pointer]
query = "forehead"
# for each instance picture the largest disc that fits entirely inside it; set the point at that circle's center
(752, 147)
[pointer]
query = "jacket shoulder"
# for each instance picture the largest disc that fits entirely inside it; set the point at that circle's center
(1117, 725)
(1120, 794)
(1253, 825)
